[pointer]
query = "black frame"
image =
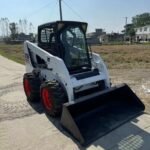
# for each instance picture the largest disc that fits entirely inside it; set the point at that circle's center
(59, 48)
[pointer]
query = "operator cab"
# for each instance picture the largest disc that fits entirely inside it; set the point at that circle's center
(66, 40)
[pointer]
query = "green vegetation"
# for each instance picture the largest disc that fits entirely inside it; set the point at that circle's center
(13, 52)
(130, 31)
(141, 20)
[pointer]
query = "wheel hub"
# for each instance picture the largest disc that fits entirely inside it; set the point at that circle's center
(47, 99)
(27, 87)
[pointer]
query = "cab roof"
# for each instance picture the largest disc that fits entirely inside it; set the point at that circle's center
(53, 24)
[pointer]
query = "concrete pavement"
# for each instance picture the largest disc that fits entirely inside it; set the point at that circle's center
(25, 127)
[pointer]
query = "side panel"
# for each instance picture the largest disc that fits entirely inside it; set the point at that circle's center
(28, 64)
(54, 66)
(98, 63)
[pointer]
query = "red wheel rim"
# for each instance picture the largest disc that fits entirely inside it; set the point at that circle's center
(47, 99)
(27, 87)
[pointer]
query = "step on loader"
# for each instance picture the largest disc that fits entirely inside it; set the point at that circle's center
(73, 82)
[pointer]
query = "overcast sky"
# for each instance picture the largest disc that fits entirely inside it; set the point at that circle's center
(107, 14)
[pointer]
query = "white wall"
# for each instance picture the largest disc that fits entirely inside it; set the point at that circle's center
(143, 30)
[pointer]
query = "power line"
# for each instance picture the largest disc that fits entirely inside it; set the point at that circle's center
(53, 9)
(39, 9)
(75, 12)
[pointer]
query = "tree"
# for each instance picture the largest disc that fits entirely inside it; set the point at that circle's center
(130, 31)
(31, 28)
(14, 30)
(141, 20)
(4, 27)
(20, 26)
(25, 24)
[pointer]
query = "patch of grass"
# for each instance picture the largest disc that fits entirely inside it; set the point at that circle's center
(115, 56)
(125, 56)
(13, 52)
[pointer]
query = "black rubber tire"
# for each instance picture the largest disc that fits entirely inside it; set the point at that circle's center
(35, 84)
(58, 97)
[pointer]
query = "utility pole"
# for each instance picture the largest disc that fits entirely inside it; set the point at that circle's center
(60, 10)
(126, 22)
(126, 18)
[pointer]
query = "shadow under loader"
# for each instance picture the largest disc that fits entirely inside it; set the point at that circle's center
(93, 118)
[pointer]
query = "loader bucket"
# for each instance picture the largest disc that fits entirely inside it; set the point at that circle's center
(93, 118)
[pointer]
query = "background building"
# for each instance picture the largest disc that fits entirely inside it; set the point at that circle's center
(143, 34)
(93, 37)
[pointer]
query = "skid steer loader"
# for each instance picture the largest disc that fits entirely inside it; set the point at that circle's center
(73, 82)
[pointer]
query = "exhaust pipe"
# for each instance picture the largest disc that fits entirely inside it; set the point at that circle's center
(91, 119)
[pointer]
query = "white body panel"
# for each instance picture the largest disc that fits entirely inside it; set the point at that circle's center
(56, 69)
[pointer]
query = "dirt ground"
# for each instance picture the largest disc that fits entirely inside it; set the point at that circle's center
(129, 64)
(137, 79)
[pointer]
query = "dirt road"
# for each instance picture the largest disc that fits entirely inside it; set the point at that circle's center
(24, 126)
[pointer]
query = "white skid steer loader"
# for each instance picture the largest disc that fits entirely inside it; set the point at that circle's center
(73, 82)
